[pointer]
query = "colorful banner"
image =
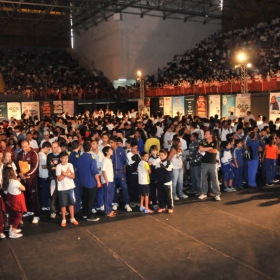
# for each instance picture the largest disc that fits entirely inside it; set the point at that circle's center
(167, 106)
(69, 107)
(243, 104)
(57, 107)
(228, 105)
(32, 107)
(14, 110)
(178, 105)
(46, 109)
(214, 105)
(190, 105)
(274, 103)
(201, 106)
(3, 111)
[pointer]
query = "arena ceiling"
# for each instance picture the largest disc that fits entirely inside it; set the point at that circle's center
(53, 16)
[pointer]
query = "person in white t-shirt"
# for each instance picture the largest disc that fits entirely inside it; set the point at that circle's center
(107, 180)
(144, 182)
(32, 143)
(44, 175)
(65, 176)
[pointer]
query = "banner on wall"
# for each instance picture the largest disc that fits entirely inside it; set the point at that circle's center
(214, 105)
(3, 111)
(228, 105)
(32, 107)
(161, 102)
(46, 109)
(57, 107)
(190, 105)
(69, 107)
(274, 104)
(147, 106)
(243, 104)
(167, 106)
(201, 106)
(14, 110)
(178, 105)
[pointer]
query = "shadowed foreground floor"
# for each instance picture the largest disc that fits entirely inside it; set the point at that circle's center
(236, 238)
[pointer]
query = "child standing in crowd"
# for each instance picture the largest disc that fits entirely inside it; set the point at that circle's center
(154, 161)
(227, 167)
(238, 156)
(164, 178)
(65, 177)
(107, 180)
(15, 200)
(144, 182)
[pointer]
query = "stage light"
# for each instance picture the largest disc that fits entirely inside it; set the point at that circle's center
(139, 73)
(241, 57)
(249, 65)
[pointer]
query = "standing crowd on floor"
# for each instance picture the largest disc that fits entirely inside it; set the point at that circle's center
(82, 165)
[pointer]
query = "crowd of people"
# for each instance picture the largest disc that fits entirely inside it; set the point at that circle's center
(213, 60)
(82, 166)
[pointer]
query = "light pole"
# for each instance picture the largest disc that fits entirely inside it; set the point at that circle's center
(242, 59)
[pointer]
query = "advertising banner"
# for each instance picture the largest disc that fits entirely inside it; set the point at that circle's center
(14, 110)
(274, 103)
(178, 105)
(32, 107)
(46, 109)
(3, 111)
(201, 106)
(167, 106)
(243, 104)
(214, 105)
(147, 106)
(190, 105)
(69, 107)
(57, 107)
(228, 105)
(161, 102)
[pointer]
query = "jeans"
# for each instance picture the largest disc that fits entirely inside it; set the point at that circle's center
(209, 169)
(177, 181)
(238, 176)
(270, 170)
(45, 192)
(78, 195)
(120, 179)
(100, 196)
(252, 172)
(195, 171)
(109, 196)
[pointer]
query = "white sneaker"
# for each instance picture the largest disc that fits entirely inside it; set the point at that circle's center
(2, 236)
(102, 208)
(227, 189)
(183, 196)
(217, 198)
(13, 234)
(175, 197)
(93, 211)
(17, 230)
(202, 196)
(115, 206)
(128, 208)
(53, 215)
(232, 189)
(36, 220)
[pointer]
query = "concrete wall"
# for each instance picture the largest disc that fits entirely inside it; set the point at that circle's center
(120, 48)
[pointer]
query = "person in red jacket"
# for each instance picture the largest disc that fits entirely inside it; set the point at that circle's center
(28, 162)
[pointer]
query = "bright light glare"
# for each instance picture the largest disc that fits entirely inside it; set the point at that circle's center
(122, 80)
(222, 4)
(241, 57)
(249, 65)
(139, 73)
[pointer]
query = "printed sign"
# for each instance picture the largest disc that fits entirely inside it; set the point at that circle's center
(32, 107)
(46, 109)
(274, 103)
(68, 107)
(14, 110)
(168, 106)
(57, 107)
(3, 111)
(201, 106)
(228, 105)
(190, 105)
(214, 102)
(243, 104)
(178, 105)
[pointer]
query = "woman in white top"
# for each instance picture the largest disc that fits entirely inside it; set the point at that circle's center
(176, 157)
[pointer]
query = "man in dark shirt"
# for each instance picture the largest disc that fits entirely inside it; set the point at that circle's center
(209, 146)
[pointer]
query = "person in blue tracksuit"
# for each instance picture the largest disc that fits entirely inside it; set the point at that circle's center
(73, 158)
(119, 161)
(238, 156)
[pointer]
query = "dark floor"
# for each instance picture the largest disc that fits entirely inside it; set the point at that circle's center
(236, 238)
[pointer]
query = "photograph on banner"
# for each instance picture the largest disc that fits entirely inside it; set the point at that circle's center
(167, 106)
(228, 105)
(57, 107)
(161, 102)
(274, 103)
(214, 105)
(69, 107)
(147, 110)
(243, 104)
(14, 110)
(32, 107)
(3, 111)
(147, 102)
(178, 105)
(46, 109)
(190, 105)
(201, 106)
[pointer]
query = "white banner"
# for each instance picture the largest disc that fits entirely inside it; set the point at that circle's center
(32, 107)
(68, 107)
(243, 104)
(57, 107)
(274, 103)
(167, 106)
(214, 105)
(14, 110)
